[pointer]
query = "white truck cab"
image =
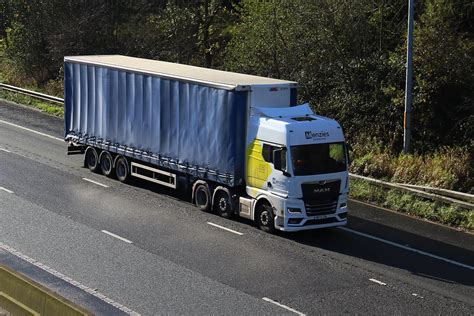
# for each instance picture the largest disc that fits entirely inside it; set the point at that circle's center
(296, 170)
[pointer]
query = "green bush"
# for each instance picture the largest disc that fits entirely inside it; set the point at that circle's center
(448, 168)
(413, 205)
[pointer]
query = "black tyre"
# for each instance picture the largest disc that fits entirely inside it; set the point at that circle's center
(202, 198)
(264, 218)
(91, 159)
(106, 164)
(122, 171)
(223, 204)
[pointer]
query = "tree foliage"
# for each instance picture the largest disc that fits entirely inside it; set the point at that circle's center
(348, 56)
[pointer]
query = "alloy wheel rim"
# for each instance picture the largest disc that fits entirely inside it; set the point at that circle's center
(264, 218)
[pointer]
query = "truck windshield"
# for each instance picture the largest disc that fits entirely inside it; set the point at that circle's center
(318, 158)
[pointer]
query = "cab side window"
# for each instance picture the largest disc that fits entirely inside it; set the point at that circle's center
(267, 153)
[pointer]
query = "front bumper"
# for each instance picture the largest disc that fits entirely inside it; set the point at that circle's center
(292, 221)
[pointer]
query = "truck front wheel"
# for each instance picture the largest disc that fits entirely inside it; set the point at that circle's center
(122, 170)
(264, 218)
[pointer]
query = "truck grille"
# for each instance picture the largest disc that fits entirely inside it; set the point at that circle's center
(321, 208)
(320, 198)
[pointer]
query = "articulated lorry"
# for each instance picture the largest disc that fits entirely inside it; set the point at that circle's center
(239, 143)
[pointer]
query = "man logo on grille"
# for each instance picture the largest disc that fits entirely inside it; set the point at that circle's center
(321, 190)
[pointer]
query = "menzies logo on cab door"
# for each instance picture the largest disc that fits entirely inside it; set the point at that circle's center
(316, 135)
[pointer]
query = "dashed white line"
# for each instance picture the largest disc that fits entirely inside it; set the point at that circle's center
(377, 281)
(5, 150)
(32, 130)
(225, 228)
(95, 182)
(283, 306)
(6, 190)
(417, 295)
(424, 253)
(116, 236)
(68, 280)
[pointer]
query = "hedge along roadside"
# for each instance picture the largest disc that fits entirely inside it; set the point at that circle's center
(401, 200)
(41, 104)
(420, 193)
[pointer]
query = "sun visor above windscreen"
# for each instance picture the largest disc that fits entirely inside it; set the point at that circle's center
(295, 111)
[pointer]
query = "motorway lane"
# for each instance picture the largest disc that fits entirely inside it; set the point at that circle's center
(314, 272)
(131, 276)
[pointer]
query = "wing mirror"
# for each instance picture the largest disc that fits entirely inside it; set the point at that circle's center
(279, 160)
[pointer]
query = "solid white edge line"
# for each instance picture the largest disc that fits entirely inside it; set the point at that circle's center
(225, 228)
(424, 253)
(61, 276)
(5, 150)
(95, 182)
(116, 236)
(283, 306)
(32, 130)
(377, 281)
(6, 190)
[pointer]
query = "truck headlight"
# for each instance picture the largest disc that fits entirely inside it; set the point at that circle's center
(294, 210)
(343, 205)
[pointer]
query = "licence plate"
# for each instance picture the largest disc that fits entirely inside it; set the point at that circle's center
(323, 216)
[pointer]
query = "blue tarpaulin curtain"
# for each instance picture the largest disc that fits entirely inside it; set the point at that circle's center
(196, 124)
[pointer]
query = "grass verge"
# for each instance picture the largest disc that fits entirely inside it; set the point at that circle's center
(403, 202)
(50, 108)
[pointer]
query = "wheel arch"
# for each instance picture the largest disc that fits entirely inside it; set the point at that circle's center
(195, 184)
(216, 191)
(117, 157)
(88, 149)
(262, 199)
(108, 152)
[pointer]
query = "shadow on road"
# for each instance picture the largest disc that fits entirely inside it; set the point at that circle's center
(347, 243)
(353, 245)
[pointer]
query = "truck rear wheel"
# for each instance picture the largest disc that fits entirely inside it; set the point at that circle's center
(106, 164)
(223, 204)
(91, 159)
(122, 171)
(202, 198)
(264, 218)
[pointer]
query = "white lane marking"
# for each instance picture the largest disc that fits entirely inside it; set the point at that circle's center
(377, 281)
(424, 253)
(6, 190)
(225, 228)
(32, 130)
(95, 182)
(5, 150)
(283, 306)
(417, 295)
(116, 236)
(68, 279)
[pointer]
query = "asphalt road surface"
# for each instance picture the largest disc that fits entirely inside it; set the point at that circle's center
(141, 246)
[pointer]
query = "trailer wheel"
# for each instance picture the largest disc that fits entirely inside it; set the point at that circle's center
(264, 218)
(106, 164)
(122, 170)
(223, 204)
(202, 198)
(91, 159)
